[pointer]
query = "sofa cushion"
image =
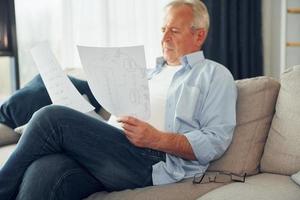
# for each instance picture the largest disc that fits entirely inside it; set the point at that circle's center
(7, 135)
(261, 186)
(177, 191)
(296, 178)
(5, 152)
(255, 109)
(282, 150)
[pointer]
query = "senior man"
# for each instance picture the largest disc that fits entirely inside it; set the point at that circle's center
(193, 117)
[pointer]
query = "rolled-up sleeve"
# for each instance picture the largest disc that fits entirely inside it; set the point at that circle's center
(217, 119)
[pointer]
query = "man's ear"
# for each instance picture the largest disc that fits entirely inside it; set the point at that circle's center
(201, 36)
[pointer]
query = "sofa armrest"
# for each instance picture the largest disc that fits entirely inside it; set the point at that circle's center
(8, 135)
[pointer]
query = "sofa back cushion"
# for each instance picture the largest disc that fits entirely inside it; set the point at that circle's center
(282, 150)
(255, 109)
(7, 135)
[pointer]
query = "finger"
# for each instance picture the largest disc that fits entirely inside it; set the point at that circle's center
(128, 127)
(128, 120)
(129, 135)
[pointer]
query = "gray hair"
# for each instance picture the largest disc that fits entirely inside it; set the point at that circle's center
(201, 16)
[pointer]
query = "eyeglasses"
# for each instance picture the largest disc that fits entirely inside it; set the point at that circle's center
(218, 177)
(174, 30)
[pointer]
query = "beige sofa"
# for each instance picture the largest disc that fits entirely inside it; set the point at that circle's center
(266, 146)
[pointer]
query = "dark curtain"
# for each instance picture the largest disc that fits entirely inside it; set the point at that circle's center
(8, 38)
(4, 26)
(235, 36)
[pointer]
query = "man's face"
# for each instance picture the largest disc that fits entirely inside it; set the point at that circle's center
(179, 38)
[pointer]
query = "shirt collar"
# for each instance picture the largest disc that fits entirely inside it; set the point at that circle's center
(188, 60)
(160, 62)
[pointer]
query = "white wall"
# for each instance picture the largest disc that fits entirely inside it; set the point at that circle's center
(278, 28)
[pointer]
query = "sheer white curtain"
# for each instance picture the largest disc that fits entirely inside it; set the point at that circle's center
(68, 23)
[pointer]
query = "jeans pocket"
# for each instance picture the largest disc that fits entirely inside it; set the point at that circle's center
(154, 155)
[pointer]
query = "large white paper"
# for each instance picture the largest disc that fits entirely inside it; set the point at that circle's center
(117, 78)
(60, 89)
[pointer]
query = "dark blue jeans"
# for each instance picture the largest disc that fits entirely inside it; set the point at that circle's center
(19, 108)
(57, 176)
(107, 159)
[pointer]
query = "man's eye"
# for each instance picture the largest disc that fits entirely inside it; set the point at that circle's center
(174, 30)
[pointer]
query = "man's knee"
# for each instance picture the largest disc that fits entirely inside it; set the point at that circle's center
(51, 112)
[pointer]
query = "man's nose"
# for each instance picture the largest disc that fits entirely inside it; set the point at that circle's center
(166, 36)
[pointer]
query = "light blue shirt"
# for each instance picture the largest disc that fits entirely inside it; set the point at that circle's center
(201, 105)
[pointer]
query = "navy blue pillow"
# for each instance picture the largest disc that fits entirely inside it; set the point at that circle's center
(19, 108)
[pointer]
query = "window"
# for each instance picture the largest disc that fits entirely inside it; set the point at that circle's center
(65, 24)
(5, 78)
